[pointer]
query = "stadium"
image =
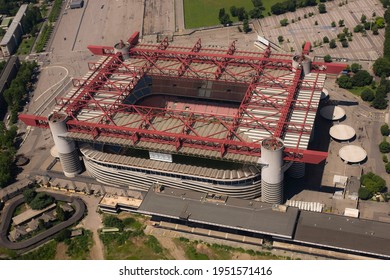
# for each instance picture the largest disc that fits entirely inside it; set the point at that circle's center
(220, 121)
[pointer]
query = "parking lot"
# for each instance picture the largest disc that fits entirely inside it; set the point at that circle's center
(295, 34)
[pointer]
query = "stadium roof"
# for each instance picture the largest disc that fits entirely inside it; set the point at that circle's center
(277, 101)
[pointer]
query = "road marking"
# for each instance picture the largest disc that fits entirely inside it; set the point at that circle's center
(67, 72)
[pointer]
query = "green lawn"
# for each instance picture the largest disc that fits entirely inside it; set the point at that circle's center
(357, 90)
(200, 13)
(25, 46)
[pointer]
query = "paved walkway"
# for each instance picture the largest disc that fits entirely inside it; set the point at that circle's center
(179, 15)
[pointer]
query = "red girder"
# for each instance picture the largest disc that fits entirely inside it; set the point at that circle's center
(287, 107)
(195, 62)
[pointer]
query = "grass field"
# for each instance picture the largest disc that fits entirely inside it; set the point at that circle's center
(25, 46)
(200, 13)
(197, 250)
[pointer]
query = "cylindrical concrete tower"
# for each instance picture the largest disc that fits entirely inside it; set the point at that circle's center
(297, 170)
(306, 65)
(272, 173)
(66, 149)
(122, 48)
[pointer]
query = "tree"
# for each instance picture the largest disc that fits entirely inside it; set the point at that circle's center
(29, 194)
(367, 95)
(322, 8)
(386, 16)
(385, 130)
(361, 78)
(387, 167)
(380, 22)
(375, 30)
(342, 37)
(280, 39)
(364, 193)
(245, 26)
(332, 44)
(63, 235)
(333, 24)
(358, 28)
(40, 201)
(112, 221)
(258, 3)
(379, 102)
(325, 40)
(367, 25)
(373, 182)
(241, 14)
(363, 18)
(327, 58)
(256, 13)
(344, 82)
(344, 44)
(284, 22)
(225, 20)
(233, 11)
(384, 147)
(355, 67)
(222, 13)
(381, 67)
(341, 23)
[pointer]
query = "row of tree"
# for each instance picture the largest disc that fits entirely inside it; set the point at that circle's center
(382, 64)
(241, 13)
(291, 6)
(359, 79)
(7, 154)
(16, 94)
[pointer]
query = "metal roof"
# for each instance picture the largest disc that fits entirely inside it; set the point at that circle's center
(241, 214)
(344, 233)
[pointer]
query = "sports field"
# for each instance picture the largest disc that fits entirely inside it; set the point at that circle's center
(200, 13)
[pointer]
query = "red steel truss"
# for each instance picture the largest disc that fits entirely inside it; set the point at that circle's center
(192, 63)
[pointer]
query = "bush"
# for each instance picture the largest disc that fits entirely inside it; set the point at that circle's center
(367, 95)
(332, 44)
(355, 67)
(344, 82)
(373, 182)
(361, 78)
(40, 201)
(327, 58)
(284, 22)
(112, 221)
(385, 159)
(364, 193)
(387, 166)
(280, 39)
(325, 40)
(384, 147)
(322, 8)
(385, 130)
(29, 195)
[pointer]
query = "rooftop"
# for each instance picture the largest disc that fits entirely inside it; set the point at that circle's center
(344, 232)
(14, 25)
(241, 214)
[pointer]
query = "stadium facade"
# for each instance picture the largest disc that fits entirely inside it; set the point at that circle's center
(218, 121)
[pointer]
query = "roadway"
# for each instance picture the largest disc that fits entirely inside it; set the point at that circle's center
(44, 236)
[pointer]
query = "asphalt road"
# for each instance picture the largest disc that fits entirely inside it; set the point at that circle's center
(44, 236)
